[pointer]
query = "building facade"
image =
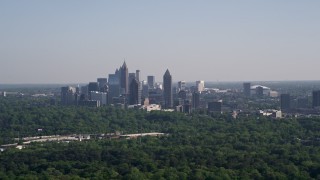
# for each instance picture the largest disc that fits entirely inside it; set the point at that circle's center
(167, 90)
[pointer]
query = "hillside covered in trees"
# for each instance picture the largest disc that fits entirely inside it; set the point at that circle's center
(197, 147)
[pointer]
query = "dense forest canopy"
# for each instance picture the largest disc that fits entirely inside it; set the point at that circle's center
(198, 146)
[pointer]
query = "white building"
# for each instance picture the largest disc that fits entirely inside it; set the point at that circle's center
(200, 85)
(182, 85)
(266, 90)
(99, 96)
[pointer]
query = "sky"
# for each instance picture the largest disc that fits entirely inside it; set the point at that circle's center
(77, 41)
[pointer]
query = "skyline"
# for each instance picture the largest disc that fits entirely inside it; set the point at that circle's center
(78, 42)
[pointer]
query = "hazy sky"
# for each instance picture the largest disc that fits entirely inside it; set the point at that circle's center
(62, 41)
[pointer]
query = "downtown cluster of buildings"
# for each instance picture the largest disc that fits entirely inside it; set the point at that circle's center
(125, 89)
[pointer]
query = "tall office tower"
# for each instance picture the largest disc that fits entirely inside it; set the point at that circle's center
(195, 100)
(131, 77)
(167, 90)
(134, 93)
(247, 89)
(259, 91)
(215, 107)
(182, 85)
(68, 95)
(285, 101)
(200, 85)
(138, 75)
(145, 89)
(124, 79)
(114, 87)
(103, 83)
(315, 99)
(151, 82)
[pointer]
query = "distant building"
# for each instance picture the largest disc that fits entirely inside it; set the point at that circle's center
(138, 75)
(151, 82)
(145, 89)
(90, 103)
(215, 107)
(195, 100)
(182, 85)
(102, 97)
(93, 86)
(131, 77)
(182, 95)
(259, 91)
(4, 94)
(134, 93)
(265, 90)
(114, 87)
(247, 89)
(68, 95)
(103, 84)
(200, 86)
(285, 101)
(315, 99)
(167, 90)
(124, 79)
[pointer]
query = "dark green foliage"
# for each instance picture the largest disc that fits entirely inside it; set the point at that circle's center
(198, 147)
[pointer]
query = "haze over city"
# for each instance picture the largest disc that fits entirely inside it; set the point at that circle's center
(78, 41)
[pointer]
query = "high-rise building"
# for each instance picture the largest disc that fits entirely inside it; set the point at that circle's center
(93, 86)
(131, 77)
(134, 93)
(99, 96)
(103, 84)
(215, 107)
(182, 85)
(145, 89)
(114, 87)
(151, 82)
(315, 99)
(124, 79)
(285, 101)
(138, 75)
(200, 85)
(195, 100)
(167, 90)
(247, 89)
(68, 95)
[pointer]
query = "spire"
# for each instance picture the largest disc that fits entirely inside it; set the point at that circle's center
(124, 64)
(167, 73)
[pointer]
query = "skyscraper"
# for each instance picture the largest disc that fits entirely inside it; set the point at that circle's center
(195, 100)
(124, 81)
(151, 82)
(68, 95)
(315, 99)
(134, 92)
(285, 101)
(138, 75)
(247, 89)
(182, 85)
(167, 90)
(114, 87)
(103, 83)
(200, 85)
